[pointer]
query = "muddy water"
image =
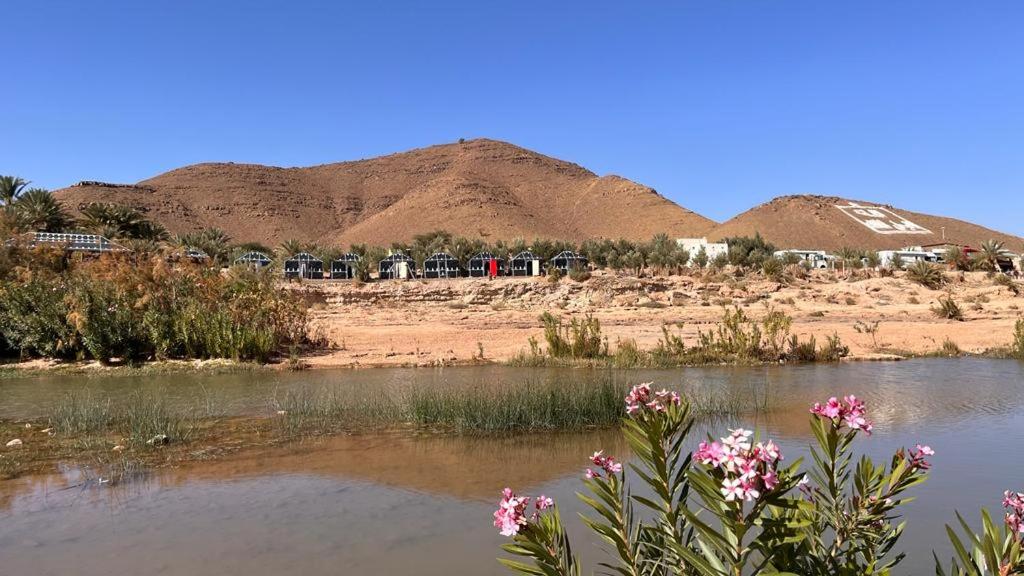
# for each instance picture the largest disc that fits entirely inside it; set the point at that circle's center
(399, 504)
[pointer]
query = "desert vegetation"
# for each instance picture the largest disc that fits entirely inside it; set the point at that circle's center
(121, 309)
(1017, 348)
(738, 339)
(732, 507)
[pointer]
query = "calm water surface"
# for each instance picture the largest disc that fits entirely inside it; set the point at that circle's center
(395, 504)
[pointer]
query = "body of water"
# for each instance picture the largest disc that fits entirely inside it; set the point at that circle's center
(390, 503)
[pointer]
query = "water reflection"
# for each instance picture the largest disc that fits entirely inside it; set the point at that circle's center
(400, 503)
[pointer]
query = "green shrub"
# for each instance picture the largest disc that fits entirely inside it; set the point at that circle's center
(773, 269)
(950, 348)
(926, 274)
(107, 319)
(116, 309)
(700, 259)
(802, 352)
(578, 340)
(1008, 283)
(1018, 339)
(628, 354)
(948, 309)
(833, 350)
(579, 274)
(747, 251)
(34, 317)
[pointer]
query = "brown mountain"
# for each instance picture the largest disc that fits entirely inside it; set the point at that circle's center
(830, 223)
(478, 188)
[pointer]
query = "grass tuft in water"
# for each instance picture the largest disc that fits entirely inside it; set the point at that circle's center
(141, 418)
(305, 410)
(531, 406)
(81, 413)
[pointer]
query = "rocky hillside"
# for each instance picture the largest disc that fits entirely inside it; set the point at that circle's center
(830, 223)
(479, 188)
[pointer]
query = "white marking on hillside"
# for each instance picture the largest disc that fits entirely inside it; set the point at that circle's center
(882, 220)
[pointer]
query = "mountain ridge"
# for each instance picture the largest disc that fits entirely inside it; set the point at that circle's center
(488, 189)
(481, 188)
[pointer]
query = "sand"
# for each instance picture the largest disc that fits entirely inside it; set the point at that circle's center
(443, 322)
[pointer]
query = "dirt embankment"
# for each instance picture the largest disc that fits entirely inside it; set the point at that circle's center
(434, 322)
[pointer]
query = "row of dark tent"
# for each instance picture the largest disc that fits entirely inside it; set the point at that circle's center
(401, 266)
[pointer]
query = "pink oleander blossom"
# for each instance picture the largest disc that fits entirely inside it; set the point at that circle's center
(640, 397)
(746, 470)
(732, 489)
(605, 463)
(917, 457)
(1014, 504)
(849, 412)
(510, 516)
(709, 453)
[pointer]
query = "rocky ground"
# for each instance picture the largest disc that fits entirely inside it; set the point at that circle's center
(432, 322)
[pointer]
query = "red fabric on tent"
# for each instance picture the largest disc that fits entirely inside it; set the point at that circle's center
(493, 269)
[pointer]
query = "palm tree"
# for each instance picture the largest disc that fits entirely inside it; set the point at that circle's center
(11, 187)
(213, 242)
(37, 209)
(992, 251)
(290, 248)
(117, 221)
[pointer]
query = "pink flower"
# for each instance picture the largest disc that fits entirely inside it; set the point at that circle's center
(708, 454)
(917, 457)
(1014, 504)
(746, 471)
(850, 413)
(731, 461)
(831, 409)
(590, 474)
(543, 502)
(607, 463)
(732, 489)
(738, 439)
(510, 515)
(769, 451)
(640, 397)
(750, 492)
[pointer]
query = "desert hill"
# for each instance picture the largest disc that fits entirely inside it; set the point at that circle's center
(478, 188)
(818, 222)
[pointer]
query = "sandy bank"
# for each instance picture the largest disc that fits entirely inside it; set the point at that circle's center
(432, 322)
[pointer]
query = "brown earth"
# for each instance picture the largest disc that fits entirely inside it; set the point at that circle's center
(814, 222)
(441, 322)
(479, 188)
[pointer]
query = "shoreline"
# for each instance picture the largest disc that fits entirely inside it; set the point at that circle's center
(473, 321)
(89, 368)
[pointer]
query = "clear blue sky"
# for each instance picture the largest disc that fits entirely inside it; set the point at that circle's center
(719, 105)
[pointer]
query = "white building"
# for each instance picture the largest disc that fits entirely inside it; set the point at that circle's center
(815, 258)
(712, 249)
(907, 256)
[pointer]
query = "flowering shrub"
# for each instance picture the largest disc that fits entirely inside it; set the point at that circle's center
(732, 508)
(997, 550)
